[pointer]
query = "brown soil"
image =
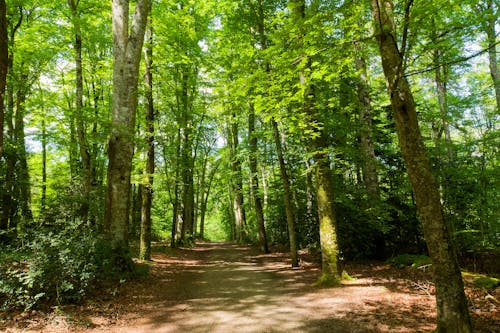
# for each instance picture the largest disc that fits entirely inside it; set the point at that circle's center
(221, 287)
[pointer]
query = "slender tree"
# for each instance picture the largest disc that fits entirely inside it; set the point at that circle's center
(287, 195)
(147, 189)
(4, 65)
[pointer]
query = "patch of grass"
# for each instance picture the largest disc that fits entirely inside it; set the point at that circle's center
(410, 260)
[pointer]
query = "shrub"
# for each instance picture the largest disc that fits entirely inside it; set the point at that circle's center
(61, 264)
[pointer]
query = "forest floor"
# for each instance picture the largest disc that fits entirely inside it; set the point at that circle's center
(222, 287)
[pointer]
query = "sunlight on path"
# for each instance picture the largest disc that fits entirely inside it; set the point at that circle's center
(228, 288)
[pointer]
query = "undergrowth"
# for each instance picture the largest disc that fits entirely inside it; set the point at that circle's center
(57, 265)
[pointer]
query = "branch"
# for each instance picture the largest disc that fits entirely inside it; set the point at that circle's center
(452, 62)
(406, 27)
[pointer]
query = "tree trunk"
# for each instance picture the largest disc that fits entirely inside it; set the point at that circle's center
(147, 189)
(331, 268)
(452, 313)
(23, 178)
(186, 162)
(237, 182)
(84, 149)
(287, 196)
(489, 28)
(369, 161)
(254, 181)
(4, 65)
(127, 55)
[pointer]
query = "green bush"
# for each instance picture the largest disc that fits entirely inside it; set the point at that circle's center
(61, 265)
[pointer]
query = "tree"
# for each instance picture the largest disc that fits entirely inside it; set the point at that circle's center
(147, 187)
(452, 310)
(127, 48)
(86, 157)
(492, 13)
(4, 65)
(330, 252)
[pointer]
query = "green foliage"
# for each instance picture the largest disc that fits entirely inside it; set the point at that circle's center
(410, 260)
(59, 264)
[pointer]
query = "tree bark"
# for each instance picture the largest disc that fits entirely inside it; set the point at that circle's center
(287, 196)
(237, 183)
(126, 55)
(147, 189)
(254, 181)
(84, 149)
(331, 268)
(489, 27)
(369, 161)
(452, 313)
(4, 65)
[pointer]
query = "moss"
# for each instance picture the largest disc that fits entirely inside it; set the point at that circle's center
(327, 281)
(485, 282)
(410, 260)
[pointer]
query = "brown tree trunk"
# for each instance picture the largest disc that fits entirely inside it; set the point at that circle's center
(4, 65)
(254, 181)
(237, 182)
(287, 196)
(127, 55)
(23, 178)
(369, 162)
(489, 28)
(147, 189)
(84, 149)
(452, 312)
(331, 268)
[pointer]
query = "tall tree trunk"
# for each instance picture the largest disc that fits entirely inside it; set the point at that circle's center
(83, 145)
(369, 162)
(331, 267)
(127, 55)
(287, 196)
(452, 312)
(23, 178)
(8, 206)
(254, 181)
(237, 182)
(186, 163)
(147, 190)
(4, 65)
(43, 203)
(489, 28)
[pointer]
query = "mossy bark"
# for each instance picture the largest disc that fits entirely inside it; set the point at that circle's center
(452, 312)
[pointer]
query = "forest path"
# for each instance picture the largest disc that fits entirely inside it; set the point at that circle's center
(229, 288)
(221, 287)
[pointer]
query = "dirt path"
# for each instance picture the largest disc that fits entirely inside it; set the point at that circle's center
(219, 287)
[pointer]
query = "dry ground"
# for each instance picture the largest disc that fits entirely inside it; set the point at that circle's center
(221, 287)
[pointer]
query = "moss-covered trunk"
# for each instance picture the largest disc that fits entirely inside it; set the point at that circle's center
(452, 309)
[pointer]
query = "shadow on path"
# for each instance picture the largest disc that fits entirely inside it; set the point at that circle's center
(221, 287)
